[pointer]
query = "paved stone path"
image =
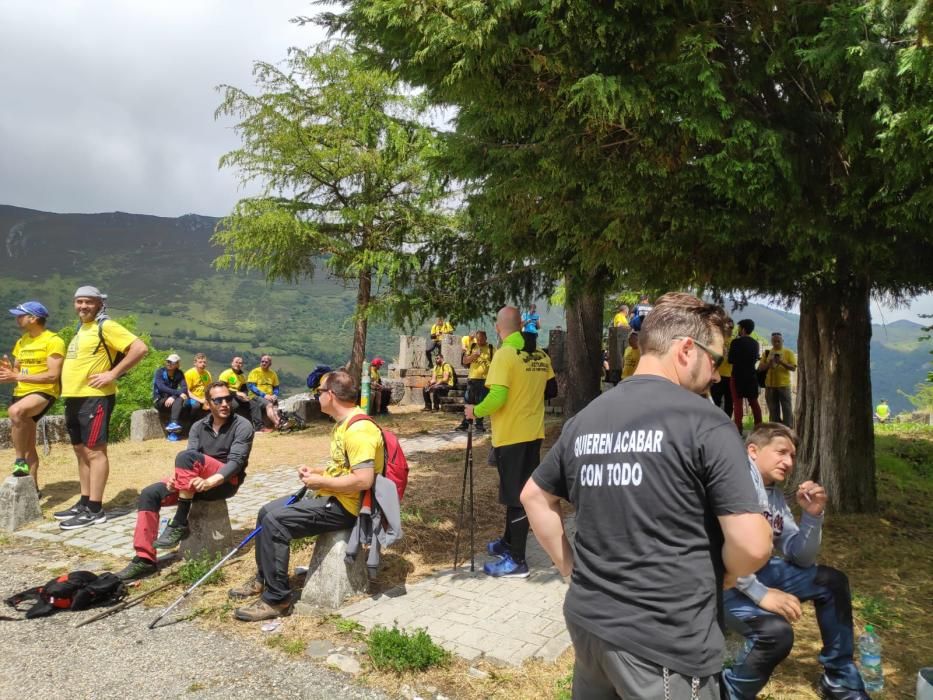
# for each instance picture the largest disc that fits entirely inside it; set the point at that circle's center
(472, 615)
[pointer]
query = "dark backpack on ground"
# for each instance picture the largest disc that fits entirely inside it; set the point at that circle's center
(314, 379)
(77, 590)
(396, 465)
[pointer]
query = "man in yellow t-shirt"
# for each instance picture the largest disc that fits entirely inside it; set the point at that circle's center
(36, 369)
(356, 457)
(443, 380)
(882, 412)
(439, 328)
(518, 383)
(477, 358)
(620, 320)
(381, 395)
(721, 391)
(235, 378)
(93, 363)
(198, 378)
(263, 383)
(631, 356)
(779, 362)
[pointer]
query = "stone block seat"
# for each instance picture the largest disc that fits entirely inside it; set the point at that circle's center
(19, 502)
(330, 580)
(211, 533)
(147, 424)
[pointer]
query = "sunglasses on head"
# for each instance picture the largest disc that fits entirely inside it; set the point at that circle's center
(218, 400)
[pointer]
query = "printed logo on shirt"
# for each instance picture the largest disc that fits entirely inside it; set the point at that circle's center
(776, 520)
(622, 473)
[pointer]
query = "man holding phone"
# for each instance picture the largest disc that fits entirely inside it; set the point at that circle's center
(779, 362)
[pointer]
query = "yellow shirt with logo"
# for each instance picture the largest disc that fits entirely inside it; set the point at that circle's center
(236, 382)
(264, 379)
(521, 419)
(630, 361)
(442, 329)
(779, 376)
(86, 355)
(479, 367)
(725, 369)
(620, 320)
(437, 374)
(197, 383)
(32, 355)
(362, 442)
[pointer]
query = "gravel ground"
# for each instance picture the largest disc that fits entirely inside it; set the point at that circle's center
(118, 657)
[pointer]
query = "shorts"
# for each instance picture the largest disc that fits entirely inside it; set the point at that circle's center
(48, 406)
(516, 462)
(87, 419)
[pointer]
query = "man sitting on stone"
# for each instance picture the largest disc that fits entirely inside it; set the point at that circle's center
(263, 383)
(170, 394)
(210, 469)
(381, 395)
(440, 327)
(197, 378)
(764, 605)
(882, 412)
(235, 378)
(356, 456)
(442, 381)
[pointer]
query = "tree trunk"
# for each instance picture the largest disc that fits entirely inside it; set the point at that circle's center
(834, 414)
(584, 347)
(363, 294)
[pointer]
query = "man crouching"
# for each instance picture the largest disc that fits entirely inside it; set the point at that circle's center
(212, 468)
(356, 456)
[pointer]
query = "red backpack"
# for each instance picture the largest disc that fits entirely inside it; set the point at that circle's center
(396, 466)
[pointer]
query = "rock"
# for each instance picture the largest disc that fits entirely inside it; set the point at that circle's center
(50, 429)
(345, 663)
(291, 403)
(308, 410)
(411, 352)
(145, 425)
(452, 350)
(474, 672)
(210, 530)
(318, 649)
(330, 580)
(398, 389)
(19, 502)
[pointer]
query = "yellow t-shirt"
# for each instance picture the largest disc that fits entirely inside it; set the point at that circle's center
(197, 383)
(725, 369)
(86, 355)
(630, 361)
(348, 448)
(374, 377)
(437, 374)
(236, 382)
(479, 367)
(32, 354)
(883, 411)
(465, 343)
(521, 419)
(443, 329)
(620, 320)
(779, 376)
(264, 379)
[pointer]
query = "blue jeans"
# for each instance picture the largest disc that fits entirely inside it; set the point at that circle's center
(772, 636)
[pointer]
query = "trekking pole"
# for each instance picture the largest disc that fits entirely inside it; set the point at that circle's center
(126, 604)
(467, 470)
(472, 511)
(250, 536)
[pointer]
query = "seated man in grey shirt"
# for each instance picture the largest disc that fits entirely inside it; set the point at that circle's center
(211, 468)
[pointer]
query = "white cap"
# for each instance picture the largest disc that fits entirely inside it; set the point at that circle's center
(173, 358)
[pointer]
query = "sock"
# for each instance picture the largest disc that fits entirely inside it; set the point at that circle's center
(181, 515)
(84, 500)
(93, 506)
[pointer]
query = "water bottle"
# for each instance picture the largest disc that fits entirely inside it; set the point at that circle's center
(163, 523)
(869, 648)
(365, 391)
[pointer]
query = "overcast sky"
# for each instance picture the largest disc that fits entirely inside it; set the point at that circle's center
(108, 105)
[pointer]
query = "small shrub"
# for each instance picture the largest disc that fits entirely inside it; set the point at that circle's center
(397, 650)
(289, 645)
(193, 569)
(345, 625)
(876, 611)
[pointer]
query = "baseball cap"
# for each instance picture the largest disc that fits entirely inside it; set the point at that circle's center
(378, 362)
(30, 308)
(173, 358)
(89, 291)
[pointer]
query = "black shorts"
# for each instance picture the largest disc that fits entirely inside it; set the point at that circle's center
(48, 397)
(87, 419)
(516, 463)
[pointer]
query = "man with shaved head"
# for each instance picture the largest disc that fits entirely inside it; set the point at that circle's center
(518, 380)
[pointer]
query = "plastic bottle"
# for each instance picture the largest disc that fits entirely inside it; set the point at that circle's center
(365, 391)
(163, 523)
(869, 648)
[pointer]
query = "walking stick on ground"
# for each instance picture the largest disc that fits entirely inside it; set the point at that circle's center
(467, 470)
(296, 497)
(126, 604)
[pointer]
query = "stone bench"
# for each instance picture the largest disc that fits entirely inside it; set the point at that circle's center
(19, 502)
(211, 533)
(49, 429)
(145, 424)
(330, 580)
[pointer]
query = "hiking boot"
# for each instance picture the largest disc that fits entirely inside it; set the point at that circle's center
(171, 536)
(261, 610)
(251, 588)
(83, 519)
(463, 427)
(69, 513)
(137, 568)
(480, 428)
(20, 468)
(497, 548)
(506, 567)
(173, 427)
(831, 691)
(173, 437)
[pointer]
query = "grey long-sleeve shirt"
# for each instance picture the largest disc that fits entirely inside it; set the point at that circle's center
(231, 444)
(798, 545)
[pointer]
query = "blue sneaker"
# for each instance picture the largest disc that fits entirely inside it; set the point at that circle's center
(173, 427)
(506, 567)
(173, 437)
(497, 548)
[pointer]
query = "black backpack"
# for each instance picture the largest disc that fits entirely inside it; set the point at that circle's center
(77, 590)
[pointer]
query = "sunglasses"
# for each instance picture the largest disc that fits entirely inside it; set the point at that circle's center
(713, 355)
(219, 400)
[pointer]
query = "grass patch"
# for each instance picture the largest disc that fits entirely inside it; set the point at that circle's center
(192, 570)
(288, 645)
(300, 543)
(876, 610)
(345, 625)
(564, 687)
(399, 651)
(195, 687)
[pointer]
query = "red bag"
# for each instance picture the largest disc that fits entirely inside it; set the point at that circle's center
(396, 466)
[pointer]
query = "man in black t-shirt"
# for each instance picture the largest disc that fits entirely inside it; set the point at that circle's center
(665, 511)
(743, 355)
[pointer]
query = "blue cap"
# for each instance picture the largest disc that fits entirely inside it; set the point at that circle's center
(30, 308)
